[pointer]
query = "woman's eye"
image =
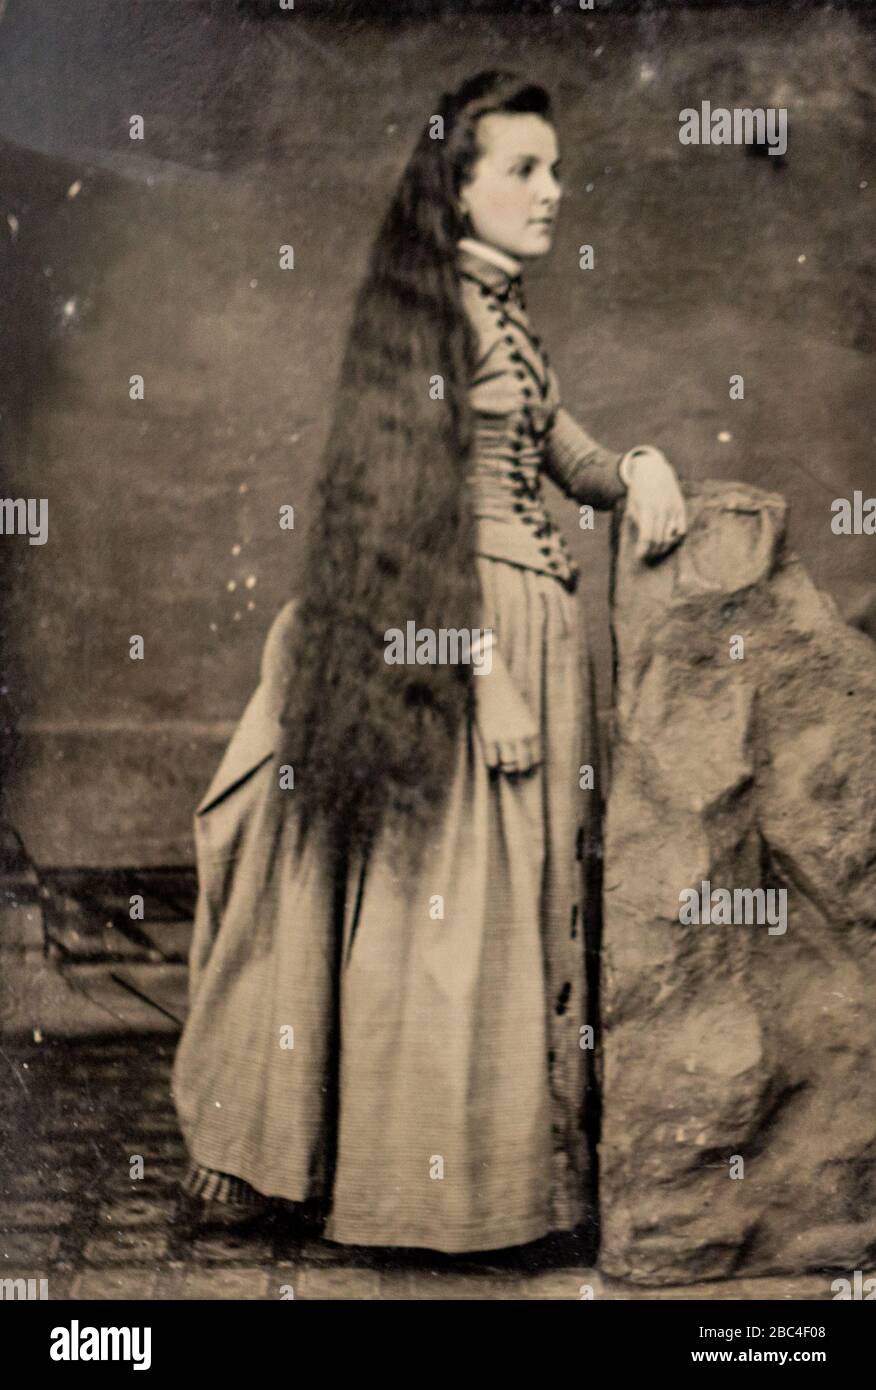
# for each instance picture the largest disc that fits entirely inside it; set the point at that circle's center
(524, 170)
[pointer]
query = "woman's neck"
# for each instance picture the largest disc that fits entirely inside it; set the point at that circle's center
(490, 253)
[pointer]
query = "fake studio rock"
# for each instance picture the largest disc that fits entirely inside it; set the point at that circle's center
(738, 1067)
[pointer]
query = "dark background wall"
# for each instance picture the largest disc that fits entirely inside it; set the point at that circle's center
(264, 128)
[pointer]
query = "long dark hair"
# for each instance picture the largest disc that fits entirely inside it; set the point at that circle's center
(392, 537)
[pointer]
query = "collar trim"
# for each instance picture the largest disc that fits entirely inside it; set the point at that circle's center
(487, 264)
(492, 254)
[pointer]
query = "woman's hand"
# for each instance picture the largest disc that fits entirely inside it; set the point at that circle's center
(505, 728)
(655, 502)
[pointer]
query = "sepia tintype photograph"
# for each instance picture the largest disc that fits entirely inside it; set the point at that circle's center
(438, 846)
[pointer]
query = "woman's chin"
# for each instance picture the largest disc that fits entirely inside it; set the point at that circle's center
(537, 244)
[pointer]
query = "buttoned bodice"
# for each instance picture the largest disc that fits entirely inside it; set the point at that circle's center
(522, 431)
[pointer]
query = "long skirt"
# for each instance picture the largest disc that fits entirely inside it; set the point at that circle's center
(410, 1049)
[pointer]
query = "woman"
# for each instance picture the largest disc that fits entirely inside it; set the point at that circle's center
(387, 989)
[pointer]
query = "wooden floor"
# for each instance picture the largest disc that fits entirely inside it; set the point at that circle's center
(75, 1112)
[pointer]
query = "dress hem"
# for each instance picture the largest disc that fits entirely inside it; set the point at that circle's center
(221, 1186)
(495, 1238)
(227, 1184)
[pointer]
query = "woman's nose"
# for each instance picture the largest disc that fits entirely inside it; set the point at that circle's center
(550, 190)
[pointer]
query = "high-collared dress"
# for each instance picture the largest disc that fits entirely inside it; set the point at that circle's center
(433, 1091)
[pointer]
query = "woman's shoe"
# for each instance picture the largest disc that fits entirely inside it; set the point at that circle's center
(221, 1201)
(299, 1222)
(202, 1215)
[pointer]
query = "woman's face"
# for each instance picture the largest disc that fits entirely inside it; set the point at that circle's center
(513, 194)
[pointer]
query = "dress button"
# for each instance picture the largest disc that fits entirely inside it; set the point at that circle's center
(515, 356)
(517, 507)
(521, 376)
(527, 390)
(529, 521)
(508, 338)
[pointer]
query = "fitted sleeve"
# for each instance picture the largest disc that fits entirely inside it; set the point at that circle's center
(580, 467)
